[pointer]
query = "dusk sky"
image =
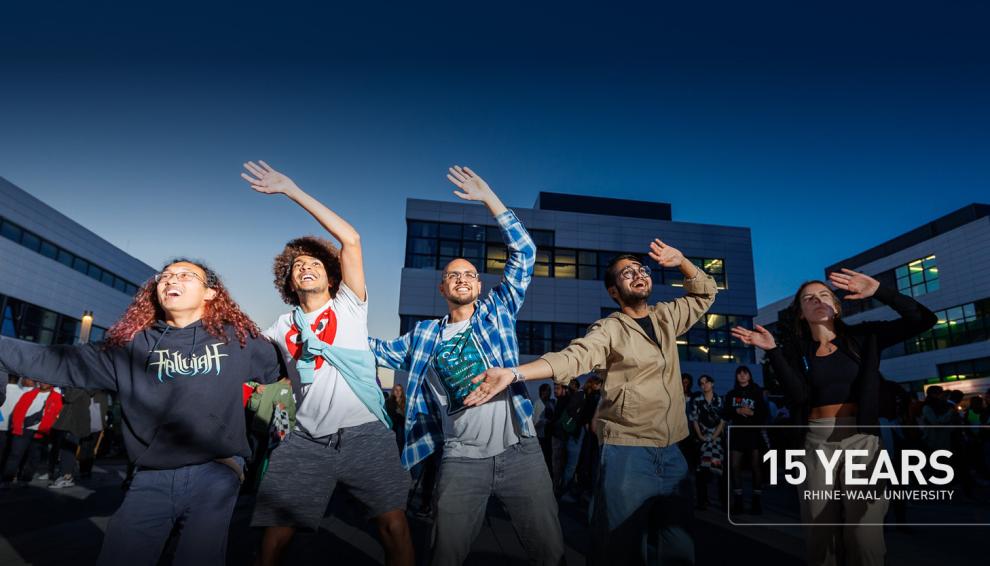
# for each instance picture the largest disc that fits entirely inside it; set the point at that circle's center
(825, 127)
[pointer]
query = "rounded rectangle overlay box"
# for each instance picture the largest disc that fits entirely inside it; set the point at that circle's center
(930, 480)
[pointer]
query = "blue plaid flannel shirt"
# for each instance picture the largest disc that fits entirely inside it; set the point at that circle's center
(493, 322)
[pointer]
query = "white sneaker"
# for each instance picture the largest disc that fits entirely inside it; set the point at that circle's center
(42, 477)
(64, 481)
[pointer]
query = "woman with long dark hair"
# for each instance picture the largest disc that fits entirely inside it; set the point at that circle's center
(395, 406)
(177, 361)
(831, 372)
(745, 410)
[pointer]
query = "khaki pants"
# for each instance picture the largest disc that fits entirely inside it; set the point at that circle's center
(835, 528)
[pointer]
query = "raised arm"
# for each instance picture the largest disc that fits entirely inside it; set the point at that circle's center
(86, 366)
(793, 381)
(518, 272)
(700, 287)
(914, 319)
(264, 179)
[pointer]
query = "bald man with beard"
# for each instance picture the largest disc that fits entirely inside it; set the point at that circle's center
(489, 450)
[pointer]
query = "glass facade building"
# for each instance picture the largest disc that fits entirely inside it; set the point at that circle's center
(55, 270)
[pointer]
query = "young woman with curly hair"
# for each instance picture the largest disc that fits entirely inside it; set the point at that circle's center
(177, 360)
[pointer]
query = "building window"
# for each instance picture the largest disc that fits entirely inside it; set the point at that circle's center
(50, 250)
(431, 245)
(918, 277)
(712, 266)
(964, 369)
(710, 340)
(26, 321)
(565, 263)
(964, 324)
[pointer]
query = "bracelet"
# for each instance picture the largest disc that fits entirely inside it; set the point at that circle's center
(517, 374)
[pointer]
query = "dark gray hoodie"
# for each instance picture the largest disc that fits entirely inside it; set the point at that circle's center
(180, 388)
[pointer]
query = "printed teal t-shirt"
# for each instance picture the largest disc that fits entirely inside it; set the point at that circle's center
(456, 363)
(469, 432)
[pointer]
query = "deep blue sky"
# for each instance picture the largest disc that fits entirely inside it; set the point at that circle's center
(825, 127)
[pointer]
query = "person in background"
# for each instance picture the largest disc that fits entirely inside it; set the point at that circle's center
(395, 406)
(746, 411)
(568, 434)
(707, 426)
(272, 412)
(588, 461)
(13, 388)
(89, 445)
(543, 413)
(31, 423)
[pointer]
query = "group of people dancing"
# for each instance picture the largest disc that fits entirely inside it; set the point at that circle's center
(178, 358)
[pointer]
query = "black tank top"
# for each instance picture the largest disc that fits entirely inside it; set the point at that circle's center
(831, 378)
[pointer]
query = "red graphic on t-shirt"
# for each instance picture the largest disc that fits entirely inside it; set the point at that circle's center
(325, 328)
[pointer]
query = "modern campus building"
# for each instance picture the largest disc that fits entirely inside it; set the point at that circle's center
(944, 264)
(53, 271)
(576, 236)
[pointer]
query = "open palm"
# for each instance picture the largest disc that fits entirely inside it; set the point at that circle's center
(265, 179)
(759, 337)
(472, 187)
(858, 285)
(667, 256)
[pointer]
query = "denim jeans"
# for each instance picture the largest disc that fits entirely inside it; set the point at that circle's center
(643, 495)
(199, 499)
(566, 453)
(518, 478)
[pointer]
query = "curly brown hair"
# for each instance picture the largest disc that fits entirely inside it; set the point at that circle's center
(320, 248)
(145, 310)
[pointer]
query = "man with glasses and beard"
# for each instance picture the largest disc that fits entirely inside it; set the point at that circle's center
(490, 450)
(641, 418)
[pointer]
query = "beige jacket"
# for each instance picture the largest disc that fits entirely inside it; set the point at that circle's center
(642, 397)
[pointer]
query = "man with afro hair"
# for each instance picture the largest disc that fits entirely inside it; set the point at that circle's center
(342, 432)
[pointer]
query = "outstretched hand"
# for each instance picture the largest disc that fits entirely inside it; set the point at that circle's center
(667, 256)
(759, 337)
(858, 285)
(493, 382)
(266, 180)
(472, 187)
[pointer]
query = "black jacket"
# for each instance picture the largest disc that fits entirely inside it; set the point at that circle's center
(862, 342)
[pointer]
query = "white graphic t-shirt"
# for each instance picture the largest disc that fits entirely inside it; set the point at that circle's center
(328, 404)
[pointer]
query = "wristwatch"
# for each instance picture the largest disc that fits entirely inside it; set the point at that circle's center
(518, 375)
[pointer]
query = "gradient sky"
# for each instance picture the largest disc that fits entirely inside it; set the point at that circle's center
(825, 127)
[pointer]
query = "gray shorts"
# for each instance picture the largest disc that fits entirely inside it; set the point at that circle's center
(303, 472)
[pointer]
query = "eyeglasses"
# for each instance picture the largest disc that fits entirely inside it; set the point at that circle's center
(466, 275)
(180, 276)
(631, 272)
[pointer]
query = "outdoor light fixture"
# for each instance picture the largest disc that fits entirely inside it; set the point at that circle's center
(87, 326)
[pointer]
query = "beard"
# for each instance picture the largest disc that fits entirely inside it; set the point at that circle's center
(461, 301)
(633, 297)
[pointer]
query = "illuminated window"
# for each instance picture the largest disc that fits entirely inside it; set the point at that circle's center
(918, 277)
